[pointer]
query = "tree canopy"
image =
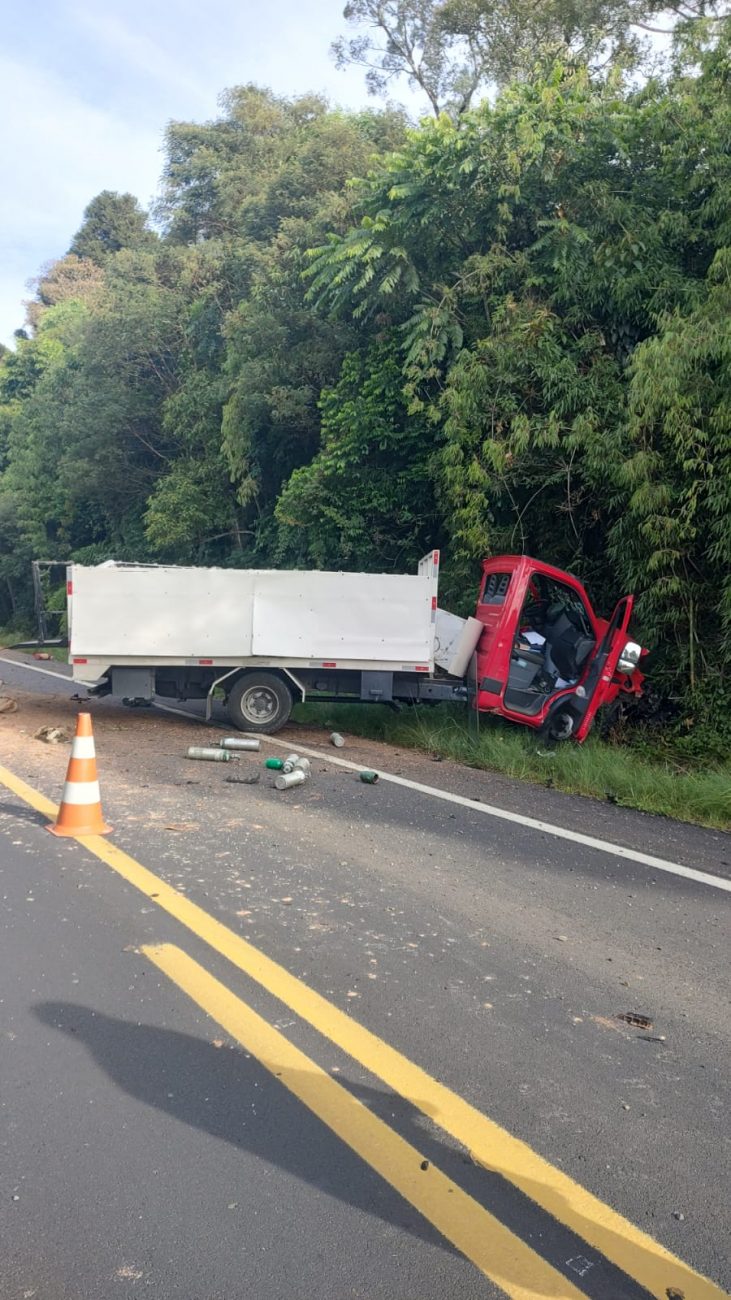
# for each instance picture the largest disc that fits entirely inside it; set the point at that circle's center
(111, 222)
(452, 50)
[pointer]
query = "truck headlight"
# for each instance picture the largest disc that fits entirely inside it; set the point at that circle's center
(630, 657)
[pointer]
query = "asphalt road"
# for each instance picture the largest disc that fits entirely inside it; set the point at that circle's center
(189, 1103)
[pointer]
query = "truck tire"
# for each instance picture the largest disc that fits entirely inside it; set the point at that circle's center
(561, 725)
(259, 702)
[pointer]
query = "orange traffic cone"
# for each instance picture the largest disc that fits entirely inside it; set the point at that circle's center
(80, 812)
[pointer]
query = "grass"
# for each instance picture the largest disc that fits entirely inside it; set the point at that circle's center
(9, 636)
(602, 770)
(59, 654)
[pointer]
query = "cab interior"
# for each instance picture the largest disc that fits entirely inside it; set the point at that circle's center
(553, 643)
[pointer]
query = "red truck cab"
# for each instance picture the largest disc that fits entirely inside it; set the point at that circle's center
(544, 658)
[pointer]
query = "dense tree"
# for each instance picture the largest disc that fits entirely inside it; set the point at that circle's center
(538, 262)
(70, 278)
(674, 540)
(365, 501)
(111, 222)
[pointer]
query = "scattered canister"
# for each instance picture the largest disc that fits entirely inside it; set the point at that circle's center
(336, 739)
(303, 765)
(274, 764)
(369, 778)
(209, 755)
(291, 762)
(286, 779)
(239, 742)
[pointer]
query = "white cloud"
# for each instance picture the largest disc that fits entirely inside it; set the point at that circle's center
(59, 154)
(140, 52)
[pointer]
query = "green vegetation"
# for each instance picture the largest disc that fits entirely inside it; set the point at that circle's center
(343, 339)
(622, 774)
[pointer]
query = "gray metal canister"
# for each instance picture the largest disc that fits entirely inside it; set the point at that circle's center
(287, 779)
(290, 762)
(209, 755)
(303, 765)
(336, 739)
(239, 742)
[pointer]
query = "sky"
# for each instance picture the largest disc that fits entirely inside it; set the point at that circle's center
(88, 86)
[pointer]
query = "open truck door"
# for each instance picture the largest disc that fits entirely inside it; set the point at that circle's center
(614, 667)
(544, 658)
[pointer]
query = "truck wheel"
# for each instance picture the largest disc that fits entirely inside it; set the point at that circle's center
(259, 702)
(561, 725)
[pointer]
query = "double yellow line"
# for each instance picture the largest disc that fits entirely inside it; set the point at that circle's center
(500, 1255)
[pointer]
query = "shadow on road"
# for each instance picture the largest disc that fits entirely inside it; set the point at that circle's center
(25, 813)
(226, 1093)
(229, 1095)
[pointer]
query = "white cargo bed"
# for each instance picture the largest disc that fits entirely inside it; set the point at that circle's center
(127, 614)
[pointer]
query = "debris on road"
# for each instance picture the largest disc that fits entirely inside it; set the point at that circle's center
(41, 654)
(209, 755)
(303, 765)
(239, 742)
(52, 735)
(274, 764)
(336, 739)
(580, 1264)
(369, 778)
(8, 705)
(605, 1023)
(287, 779)
(182, 826)
(243, 778)
(128, 1274)
(290, 762)
(635, 1019)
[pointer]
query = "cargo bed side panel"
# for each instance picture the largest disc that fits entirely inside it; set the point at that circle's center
(127, 612)
(343, 616)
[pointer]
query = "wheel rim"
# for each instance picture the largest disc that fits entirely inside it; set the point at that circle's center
(563, 726)
(259, 704)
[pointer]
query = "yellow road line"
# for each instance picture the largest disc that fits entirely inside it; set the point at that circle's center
(633, 1251)
(496, 1251)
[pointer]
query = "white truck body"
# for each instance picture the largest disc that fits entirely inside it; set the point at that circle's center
(266, 637)
(128, 614)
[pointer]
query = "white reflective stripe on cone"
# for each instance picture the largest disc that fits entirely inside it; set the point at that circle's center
(81, 792)
(83, 747)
